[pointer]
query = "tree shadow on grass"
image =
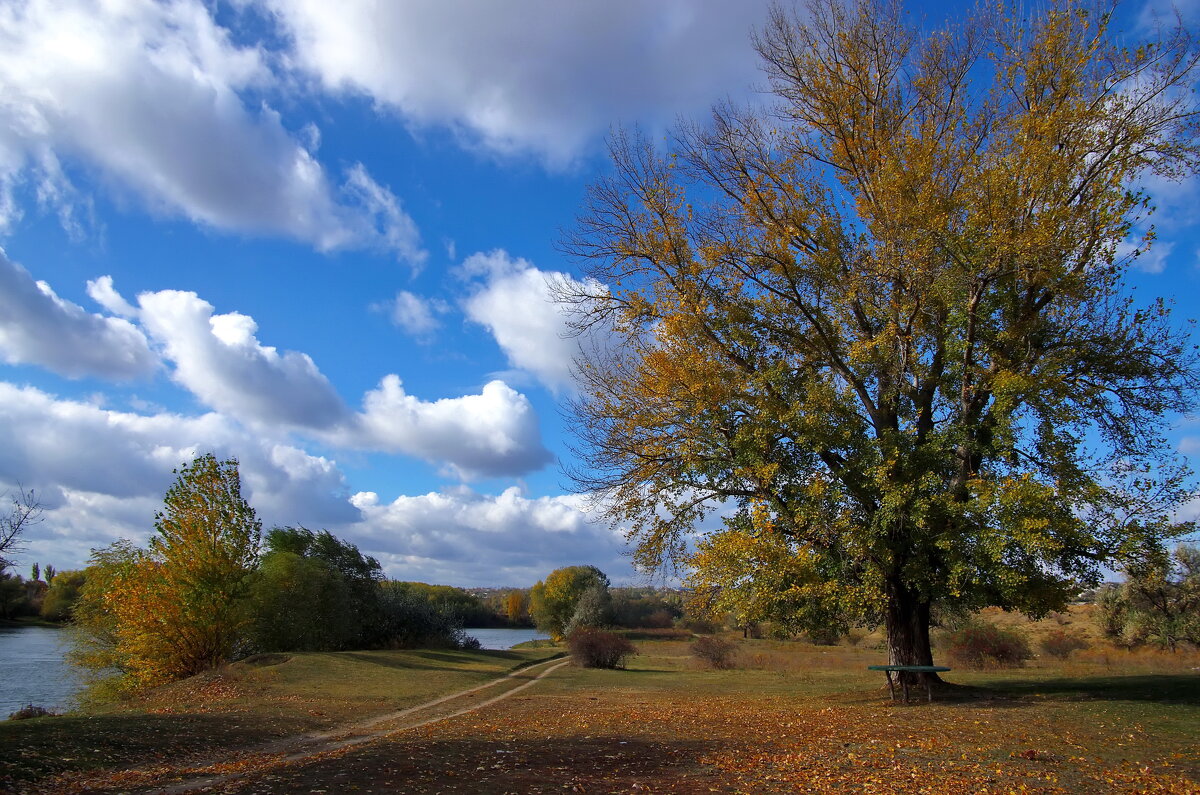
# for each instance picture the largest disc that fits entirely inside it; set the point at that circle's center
(1158, 688)
(35, 749)
(479, 765)
(1181, 689)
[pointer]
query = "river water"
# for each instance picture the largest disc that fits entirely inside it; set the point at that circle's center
(33, 671)
(504, 638)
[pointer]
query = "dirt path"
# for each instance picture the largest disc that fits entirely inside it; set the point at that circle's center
(202, 774)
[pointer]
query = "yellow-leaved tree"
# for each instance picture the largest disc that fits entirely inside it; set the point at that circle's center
(179, 607)
(882, 324)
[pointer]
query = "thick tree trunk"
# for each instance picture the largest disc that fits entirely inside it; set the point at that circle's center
(907, 622)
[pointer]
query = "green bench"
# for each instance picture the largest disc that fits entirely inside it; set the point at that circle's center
(916, 669)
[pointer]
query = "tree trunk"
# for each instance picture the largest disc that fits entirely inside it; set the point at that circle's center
(907, 622)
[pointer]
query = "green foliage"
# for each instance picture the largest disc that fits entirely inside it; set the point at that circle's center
(593, 610)
(595, 648)
(552, 602)
(410, 620)
(315, 592)
(12, 594)
(64, 592)
(645, 608)
(458, 605)
(988, 646)
(1158, 603)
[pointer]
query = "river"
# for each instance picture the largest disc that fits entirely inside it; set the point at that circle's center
(33, 671)
(504, 638)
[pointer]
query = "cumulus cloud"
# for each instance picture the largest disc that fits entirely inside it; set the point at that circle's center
(466, 538)
(104, 472)
(515, 302)
(37, 327)
(218, 359)
(149, 95)
(531, 76)
(493, 433)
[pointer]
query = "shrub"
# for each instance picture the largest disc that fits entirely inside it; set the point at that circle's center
(986, 645)
(595, 648)
(1060, 644)
(716, 653)
(30, 711)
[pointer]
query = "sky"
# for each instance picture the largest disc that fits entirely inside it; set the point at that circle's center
(317, 236)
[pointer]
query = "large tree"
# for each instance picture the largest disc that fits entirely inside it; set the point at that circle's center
(884, 321)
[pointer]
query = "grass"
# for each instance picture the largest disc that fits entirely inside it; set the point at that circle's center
(791, 716)
(242, 704)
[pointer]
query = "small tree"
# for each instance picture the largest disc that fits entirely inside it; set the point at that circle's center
(552, 603)
(515, 606)
(177, 608)
(1158, 603)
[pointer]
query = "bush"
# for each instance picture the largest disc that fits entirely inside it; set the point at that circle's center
(30, 711)
(986, 645)
(595, 648)
(1060, 644)
(716, 653)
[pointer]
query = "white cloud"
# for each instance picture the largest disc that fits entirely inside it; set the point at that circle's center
(466, 538)
(532, 75)
(218, 359)
(102, 473)
(516, 304)
(416, 315)
(37, 327)
(103, 292)
(493, 433)
(148, 95)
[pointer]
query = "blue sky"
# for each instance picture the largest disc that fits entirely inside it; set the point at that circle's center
(315, 236)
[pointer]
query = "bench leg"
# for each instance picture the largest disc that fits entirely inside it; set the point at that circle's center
(891, 687)
(929, 689)
(904, 685)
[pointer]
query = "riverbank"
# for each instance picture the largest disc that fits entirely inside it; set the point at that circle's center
(790, 717)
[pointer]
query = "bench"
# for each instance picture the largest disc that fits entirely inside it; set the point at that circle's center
(915, 669)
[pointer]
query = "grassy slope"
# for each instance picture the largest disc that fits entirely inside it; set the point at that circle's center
(243, 704)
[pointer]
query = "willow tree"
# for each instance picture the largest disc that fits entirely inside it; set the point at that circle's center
(885, 320)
